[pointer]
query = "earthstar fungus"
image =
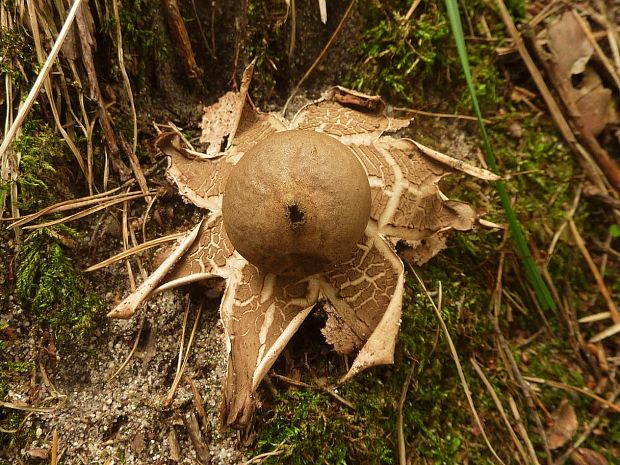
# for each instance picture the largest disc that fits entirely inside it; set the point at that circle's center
(362, 293)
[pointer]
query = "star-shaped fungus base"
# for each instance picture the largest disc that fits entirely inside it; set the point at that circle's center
(362, 296)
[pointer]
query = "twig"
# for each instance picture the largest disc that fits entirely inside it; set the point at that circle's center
(86, 43)
(261, 457)
(411, 10)
(329, 43)
(202, 450)
(457, 363)
(54, 460)
(88, 211)
(584, 134)
(198, 402)
(601, 55)
(439, 115)
(613, 310)
(125, 226)
(48, 90)
(121, 61)
(325, 389)
(521, 429)
(514, 368)
(134, 250)
(181, 367)
(402, 447)
(182, 37)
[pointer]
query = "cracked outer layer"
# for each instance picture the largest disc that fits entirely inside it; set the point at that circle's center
(297, 203)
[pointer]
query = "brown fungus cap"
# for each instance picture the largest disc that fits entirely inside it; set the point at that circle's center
(296, 203)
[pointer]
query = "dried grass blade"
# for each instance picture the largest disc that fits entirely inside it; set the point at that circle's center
(68, 205)
(83, 213)
(134, 250)
(457, 363)
(43, 74)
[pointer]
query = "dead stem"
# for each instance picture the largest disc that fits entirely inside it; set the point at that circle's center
(202, 450)
(86, 212)
(41, 78)
(521, 429)
(131, 352)
(87, 42)
(402, 446)
(32, 12)
(128, 307)
(183, 356)
(199, 403)
(177, 25)
(439, 115)
(524, 388)
(260, 458)
(325, 389)
(502, 412)
(54, 460)
(568, 387)
(121, 63)
(140, 248)
(591, 169)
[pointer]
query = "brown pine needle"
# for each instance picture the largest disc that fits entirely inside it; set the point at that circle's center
(613, 310)
(134, 250)
(54, 460)
(502, 412)
(184, 357)
(568, 387)
(130, 355)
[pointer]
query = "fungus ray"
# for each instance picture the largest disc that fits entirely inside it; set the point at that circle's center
(259, 322)
(365, 302)
(361, 296)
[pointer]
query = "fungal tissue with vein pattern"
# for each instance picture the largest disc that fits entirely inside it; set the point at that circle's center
(362, 296)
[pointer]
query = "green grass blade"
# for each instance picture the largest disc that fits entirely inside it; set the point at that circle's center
(542, 292)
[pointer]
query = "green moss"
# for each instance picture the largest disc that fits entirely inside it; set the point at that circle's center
(42, 154)
(267, 41)
(436, 417)
(139, 37)
(11, 372)
(51, 287)
(395, 56)
(18, 55)
(312, 428)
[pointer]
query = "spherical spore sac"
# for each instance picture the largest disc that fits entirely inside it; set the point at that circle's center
(296, 203)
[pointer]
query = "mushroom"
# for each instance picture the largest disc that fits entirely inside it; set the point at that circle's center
(297, 203)
(320, 201)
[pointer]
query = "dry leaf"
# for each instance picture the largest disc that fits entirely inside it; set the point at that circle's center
(583, 456)
(38, 453)
(137, 443)
(564, 425)
(569, 45)
(571, 52)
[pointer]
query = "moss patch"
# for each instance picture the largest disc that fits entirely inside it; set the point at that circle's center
(51, 287)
